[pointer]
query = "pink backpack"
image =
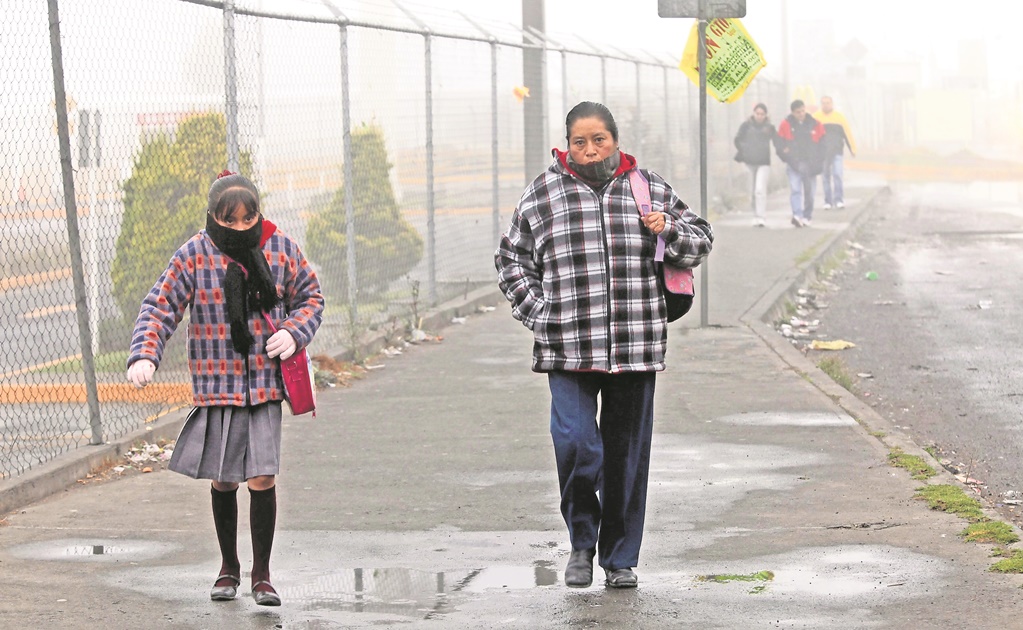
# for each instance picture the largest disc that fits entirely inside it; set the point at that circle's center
(297, 374)
(676, 282)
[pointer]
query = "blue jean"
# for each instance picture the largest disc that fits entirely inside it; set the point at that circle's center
(802, 189)
(611, 460)
(833, 172)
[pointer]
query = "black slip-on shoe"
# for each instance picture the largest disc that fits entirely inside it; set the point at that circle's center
(621, 578)
(579, 571)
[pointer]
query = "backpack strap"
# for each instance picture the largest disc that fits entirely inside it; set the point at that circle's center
(641, 193)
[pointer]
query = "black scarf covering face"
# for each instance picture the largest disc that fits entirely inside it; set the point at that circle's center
(598, 173)
(248, 283)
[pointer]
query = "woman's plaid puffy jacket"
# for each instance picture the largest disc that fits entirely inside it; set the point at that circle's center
(577, 265)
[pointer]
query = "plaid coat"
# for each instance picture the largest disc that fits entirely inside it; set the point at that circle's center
(578, 267)
(194, 279)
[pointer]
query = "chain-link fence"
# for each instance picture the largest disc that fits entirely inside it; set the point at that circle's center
(390, 145)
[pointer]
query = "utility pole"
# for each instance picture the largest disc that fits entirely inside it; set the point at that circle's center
(534, 107)
(704, 11)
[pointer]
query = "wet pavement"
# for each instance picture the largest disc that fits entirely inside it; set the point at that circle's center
(938, 331)
(425, 496)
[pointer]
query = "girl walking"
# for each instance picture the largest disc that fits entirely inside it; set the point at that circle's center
(227, 276)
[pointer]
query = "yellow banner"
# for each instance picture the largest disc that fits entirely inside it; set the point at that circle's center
(733, 58)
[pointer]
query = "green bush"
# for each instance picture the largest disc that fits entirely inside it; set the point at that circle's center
(387, 246)
(165, 202)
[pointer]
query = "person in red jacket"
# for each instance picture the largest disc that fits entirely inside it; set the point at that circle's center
(800, 147)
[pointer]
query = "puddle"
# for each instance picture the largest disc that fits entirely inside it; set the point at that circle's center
(93, 550)
(388, 591)
(405, 591)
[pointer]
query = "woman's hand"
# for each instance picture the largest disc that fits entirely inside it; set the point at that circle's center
(141, 372)
(281, 344)
(655, 221)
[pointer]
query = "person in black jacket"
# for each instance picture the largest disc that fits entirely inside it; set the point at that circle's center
(753, 142)
(800, 147)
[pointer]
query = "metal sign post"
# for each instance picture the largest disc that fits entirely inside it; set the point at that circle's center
(702, 10)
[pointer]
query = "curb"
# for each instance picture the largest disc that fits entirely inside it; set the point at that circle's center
(62, 472)
(771, 307)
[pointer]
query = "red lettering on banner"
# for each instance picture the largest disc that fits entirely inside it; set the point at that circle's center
(711, 45)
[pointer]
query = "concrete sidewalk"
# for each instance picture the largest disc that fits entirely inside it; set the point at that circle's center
(425, 496)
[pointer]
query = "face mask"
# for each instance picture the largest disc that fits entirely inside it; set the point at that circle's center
(599, 171)
(234, 243)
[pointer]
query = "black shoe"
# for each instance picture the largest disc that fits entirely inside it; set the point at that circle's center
(266, 598)
(227, 592)
(621, 578)
(579, 572)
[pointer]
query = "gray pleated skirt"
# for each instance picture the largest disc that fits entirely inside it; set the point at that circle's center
(229, 444)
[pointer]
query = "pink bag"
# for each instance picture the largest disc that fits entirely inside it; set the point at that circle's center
(297, 374)
(676, 282)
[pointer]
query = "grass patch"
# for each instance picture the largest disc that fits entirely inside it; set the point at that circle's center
(835, 368)
(809, 254)
(951, 499)
(834, 262)
(998, 532)
(1013, 564)
(805, 256)
(759, 576)
(932, 451)
(879, 434)
(105, 362)
(917, 467)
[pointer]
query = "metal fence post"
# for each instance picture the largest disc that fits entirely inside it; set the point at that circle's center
(74, 237)
(431, 228)
(564, 83)
(494, 174)
(603, 81)
(668, 158)
(701, 54)
(231, 88)
(349, 178)
(637, 124)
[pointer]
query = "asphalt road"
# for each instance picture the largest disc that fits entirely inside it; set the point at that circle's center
(938, 330)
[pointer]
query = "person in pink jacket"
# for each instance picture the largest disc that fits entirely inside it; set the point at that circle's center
(227, 276)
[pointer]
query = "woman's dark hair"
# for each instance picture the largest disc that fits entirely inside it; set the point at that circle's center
(229, 190)
(229, 200)
(589, 109)
(760, 106)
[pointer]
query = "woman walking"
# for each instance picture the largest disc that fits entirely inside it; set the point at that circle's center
(228, 276)
(577, 265)
(753, 142)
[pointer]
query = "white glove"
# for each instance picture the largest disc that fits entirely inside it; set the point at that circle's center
(140, 373)
(281, 344)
